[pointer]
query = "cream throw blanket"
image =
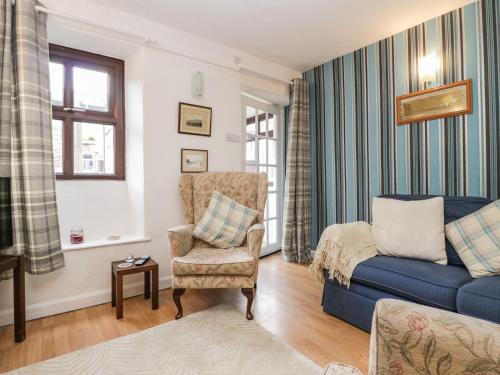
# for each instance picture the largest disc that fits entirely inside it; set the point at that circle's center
(341, 248)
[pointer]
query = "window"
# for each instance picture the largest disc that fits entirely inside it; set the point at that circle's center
(88, 130)
(262, 155)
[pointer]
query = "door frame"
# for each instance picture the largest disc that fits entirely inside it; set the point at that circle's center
(277, 111)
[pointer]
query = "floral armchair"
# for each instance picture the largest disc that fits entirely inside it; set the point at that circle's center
(407, 338)
(195, 263)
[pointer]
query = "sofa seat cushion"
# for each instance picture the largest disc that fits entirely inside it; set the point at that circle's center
(208, 261)
(481, 298)
(417, 280)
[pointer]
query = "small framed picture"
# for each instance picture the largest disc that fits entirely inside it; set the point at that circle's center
(195, 119)
(194, 161)
(444, 101)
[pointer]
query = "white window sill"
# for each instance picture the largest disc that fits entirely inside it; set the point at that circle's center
(103, 243)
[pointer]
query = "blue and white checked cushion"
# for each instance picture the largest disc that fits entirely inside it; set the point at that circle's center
(225, 222)
(476, 238)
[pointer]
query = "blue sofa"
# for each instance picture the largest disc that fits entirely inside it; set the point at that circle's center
(447, 287)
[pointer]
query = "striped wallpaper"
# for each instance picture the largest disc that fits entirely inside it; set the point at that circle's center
(358, 151)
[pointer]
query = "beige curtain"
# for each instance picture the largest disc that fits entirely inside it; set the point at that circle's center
(26, 136)
(296, 243)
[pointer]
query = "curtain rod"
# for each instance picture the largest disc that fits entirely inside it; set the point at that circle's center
(150, 42)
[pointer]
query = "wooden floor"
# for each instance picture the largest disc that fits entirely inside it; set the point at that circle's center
(287, 304)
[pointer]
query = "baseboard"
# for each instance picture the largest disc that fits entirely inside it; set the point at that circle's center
(58, 306)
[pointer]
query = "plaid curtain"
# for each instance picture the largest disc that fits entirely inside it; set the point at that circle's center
(296, 243)
(26, 136)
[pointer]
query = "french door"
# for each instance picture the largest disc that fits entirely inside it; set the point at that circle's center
(262, 153)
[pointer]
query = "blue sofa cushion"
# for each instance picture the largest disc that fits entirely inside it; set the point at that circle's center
(481, 298)
(454, 208)
(424, 282)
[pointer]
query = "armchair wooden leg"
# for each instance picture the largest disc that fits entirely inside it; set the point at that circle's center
(177, 294)
(248, 293)
(255, 285)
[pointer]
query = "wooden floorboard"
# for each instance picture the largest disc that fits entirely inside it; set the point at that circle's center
(287, 304)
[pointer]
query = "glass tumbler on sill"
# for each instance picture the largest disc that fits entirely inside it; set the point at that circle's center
(76, 235)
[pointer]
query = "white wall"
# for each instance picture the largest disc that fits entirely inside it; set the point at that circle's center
(101, 208)
(167, 79)
(147, 202)
(134, 105)
(173, 39)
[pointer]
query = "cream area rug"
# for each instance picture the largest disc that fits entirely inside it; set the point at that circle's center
(216, 341)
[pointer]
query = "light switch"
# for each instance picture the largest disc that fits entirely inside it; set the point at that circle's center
(233, 137)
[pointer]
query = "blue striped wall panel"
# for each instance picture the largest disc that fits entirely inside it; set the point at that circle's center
(357, 149)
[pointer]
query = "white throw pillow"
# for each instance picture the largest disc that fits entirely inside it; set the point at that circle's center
(410, 229)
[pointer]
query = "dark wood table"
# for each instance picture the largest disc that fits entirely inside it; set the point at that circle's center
(150, 267)
(8, 262)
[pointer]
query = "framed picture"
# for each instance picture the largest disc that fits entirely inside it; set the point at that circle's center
(449, 100)
(194, 161)
(195, 119)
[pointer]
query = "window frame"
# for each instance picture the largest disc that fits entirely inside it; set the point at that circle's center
(115, 116)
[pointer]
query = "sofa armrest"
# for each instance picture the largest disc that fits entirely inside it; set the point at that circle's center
(180, 239)
(255, 235)
(341, 369)
(410, 338)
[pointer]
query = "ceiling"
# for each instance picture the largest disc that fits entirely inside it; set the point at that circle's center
(299, 34)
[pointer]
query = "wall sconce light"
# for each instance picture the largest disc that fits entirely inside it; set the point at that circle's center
(427, 68)
(197, 84)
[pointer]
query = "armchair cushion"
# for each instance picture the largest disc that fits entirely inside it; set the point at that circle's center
(208, 261)
(225, 222)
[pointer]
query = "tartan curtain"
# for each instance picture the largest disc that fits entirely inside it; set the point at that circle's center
(296, 242)
(26, 136)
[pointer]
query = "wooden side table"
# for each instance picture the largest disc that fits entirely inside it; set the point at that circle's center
(8, 262)
(150, 267)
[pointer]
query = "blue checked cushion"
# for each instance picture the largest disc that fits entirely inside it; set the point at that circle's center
(476, 238)
(225, 222)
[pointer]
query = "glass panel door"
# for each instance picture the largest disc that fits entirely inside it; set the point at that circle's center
(261, 152)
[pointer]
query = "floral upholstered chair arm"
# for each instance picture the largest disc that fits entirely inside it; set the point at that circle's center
(255, 234)
(407, 338)
(180, 239)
